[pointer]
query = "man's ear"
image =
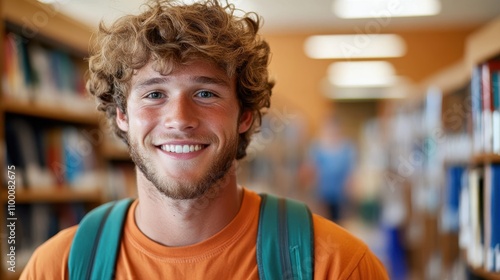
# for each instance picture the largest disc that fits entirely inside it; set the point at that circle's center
(246, 120)
(121, 119)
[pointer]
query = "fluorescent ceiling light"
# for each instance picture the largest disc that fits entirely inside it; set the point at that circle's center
(385, 8)
(364, 93)
(354, 46)
(402, 88)
(361, 74)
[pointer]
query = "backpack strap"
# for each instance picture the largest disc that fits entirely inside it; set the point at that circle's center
(96, 244)
(285, 240)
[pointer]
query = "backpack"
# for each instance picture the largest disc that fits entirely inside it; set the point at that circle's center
(95, 247)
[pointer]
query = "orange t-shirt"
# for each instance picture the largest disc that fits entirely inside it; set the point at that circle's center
(229, 254)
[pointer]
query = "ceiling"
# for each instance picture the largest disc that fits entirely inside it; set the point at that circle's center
(299, 16)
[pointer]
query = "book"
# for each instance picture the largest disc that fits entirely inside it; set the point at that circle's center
(488, 257)
(14, 80)
(495, 89)
(492, 218)
(36, 173)
(476, 110)
(475, 249)
(465, 224)
(54, 155)
(48, 156)
(14, 154)
(79, 159)
(490, 116)
(450, 210)
(486, 109)
(39, 73)
(44, 90)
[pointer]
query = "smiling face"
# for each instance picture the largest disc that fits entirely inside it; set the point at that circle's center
(183, 127)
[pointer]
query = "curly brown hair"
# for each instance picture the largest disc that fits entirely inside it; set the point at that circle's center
(170, 33)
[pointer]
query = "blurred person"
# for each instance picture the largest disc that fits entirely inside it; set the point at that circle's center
(185, 86)
(329, 167)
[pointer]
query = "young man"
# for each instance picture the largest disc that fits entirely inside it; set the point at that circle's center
(184, 86)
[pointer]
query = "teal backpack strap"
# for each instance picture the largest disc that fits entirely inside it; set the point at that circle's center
(285, 240)
(96, 244)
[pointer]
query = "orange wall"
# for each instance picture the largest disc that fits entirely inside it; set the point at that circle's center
(298, 77)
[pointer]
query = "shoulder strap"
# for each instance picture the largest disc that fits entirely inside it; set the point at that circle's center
(95, 247)
(285, 240)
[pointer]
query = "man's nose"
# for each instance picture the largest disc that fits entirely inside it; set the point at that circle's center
(181, 114)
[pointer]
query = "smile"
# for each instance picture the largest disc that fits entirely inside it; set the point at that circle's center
(181, 149)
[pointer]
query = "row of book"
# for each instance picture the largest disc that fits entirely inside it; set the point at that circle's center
(37, 222)
(485, 107)
(50, 155)
(36, 73)
(479, 214)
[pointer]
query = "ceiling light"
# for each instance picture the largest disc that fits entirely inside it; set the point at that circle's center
(363, 93)
(361, 74)
(402, 88)
(354, 46)
(385, 8)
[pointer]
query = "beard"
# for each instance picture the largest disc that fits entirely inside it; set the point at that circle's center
(184, 190)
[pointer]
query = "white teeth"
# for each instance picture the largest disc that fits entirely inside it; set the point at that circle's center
(179, 149)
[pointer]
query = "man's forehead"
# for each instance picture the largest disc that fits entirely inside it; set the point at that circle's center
(198, 71)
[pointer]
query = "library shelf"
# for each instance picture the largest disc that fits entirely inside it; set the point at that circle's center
(53, 112)
(39, 26)
(63, 194)
(457, 91)
(111, 150)
(480, 272)
(485, 159)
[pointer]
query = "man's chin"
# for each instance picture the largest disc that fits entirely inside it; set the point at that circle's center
(184, 191)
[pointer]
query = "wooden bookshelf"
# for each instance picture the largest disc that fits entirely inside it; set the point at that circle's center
(53, 112)
(112, 150)
(488, 158)
(454, 83)
(46, 27)
(40, 20)
(448, 80)
(485, 274)
(483, 44)
(49, 194)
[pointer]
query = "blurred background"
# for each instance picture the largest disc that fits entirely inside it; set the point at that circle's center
(385, 118)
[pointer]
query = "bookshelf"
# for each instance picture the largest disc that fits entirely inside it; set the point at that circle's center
(51, 112)
(67, 138)
(452, 186)
(48, 194)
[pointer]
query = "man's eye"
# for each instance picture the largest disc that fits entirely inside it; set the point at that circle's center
(205, 94)
(155, 95)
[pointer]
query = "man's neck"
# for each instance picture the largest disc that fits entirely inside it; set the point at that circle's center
(185, 222)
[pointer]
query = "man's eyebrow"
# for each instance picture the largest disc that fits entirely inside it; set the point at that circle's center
(151, 81)
(197, 79)
(210, 80)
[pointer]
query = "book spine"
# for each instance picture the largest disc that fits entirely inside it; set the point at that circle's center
(495, 87)
(486, 109)
(44, 75)
(495, 218)
(476, 108)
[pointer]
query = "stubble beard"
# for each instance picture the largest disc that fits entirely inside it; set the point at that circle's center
(219, 168)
